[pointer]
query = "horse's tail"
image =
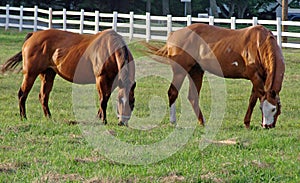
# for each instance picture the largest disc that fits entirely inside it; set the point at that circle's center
(15, 60)
(157, 52)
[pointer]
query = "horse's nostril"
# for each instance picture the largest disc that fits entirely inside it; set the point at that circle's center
(123, 123)
(265, 126)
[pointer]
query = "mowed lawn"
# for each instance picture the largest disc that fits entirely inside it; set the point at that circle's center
(58, 150)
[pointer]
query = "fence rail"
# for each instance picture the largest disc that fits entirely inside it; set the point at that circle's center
(130, 25)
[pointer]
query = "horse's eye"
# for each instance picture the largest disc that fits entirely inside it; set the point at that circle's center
(273, 110)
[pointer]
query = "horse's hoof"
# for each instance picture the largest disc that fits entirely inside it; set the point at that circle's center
(201, 123)
(104, 122)
(23, 118)
(173, 123)
(247, 126)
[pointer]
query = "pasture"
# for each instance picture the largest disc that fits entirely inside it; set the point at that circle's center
(56, 149)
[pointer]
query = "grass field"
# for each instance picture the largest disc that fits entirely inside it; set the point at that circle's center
(56, 150)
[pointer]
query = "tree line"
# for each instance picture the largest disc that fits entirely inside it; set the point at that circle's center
(218, 8)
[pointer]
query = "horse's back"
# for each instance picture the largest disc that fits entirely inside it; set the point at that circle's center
(56, 49)
(211, 33)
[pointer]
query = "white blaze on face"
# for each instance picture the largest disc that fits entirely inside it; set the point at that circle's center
(269, 110)
(124, 100)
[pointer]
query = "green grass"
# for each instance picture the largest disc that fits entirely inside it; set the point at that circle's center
(57, 150)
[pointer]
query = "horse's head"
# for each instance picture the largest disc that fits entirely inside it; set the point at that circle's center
(270, 108)
(125, 103)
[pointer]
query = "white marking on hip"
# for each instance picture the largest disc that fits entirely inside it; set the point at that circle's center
(235, 63)
(124, 100)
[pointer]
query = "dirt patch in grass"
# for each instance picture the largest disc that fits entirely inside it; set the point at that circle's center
(172, 177)
(12, 167)
(19, 128)
(108, 180)
(7, 168)
(211, 178)
(260, 164)
(55, 177)
(71, 122)
(7, 148)
(88, 160)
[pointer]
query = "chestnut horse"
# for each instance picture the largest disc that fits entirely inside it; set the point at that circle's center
(82, 59)
(251, 53)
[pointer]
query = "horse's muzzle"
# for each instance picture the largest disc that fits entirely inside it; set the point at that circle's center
(265, 126)
(123, 123)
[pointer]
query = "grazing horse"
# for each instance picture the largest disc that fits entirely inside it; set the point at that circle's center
(82, 59)
(251, 53)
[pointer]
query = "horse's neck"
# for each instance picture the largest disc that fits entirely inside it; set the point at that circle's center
(279, 73)
(274, 66)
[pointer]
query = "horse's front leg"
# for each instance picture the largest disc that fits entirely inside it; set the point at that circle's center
(102, 108)
(104, 92)
(252, 102)
(257, 92)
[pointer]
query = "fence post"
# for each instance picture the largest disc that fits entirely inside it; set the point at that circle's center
(169, 24)
(35, 18)
(64, 19)
(21, 19)
(7, 17)
(279, 33)
(131, 19)
(211, 20)
(255, 21)
(233, 20)
(115, 20)
(50, 18)
(96, 21)
(188, 20)
(148, 27)
(81, 21)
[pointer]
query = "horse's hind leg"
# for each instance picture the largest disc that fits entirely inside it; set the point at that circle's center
(195, 78)
(24, 90)
(47, 79)
(174, 88)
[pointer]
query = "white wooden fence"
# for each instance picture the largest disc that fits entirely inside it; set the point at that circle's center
(129, 25)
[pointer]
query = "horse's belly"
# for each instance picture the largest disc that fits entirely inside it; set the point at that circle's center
(80, 73)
